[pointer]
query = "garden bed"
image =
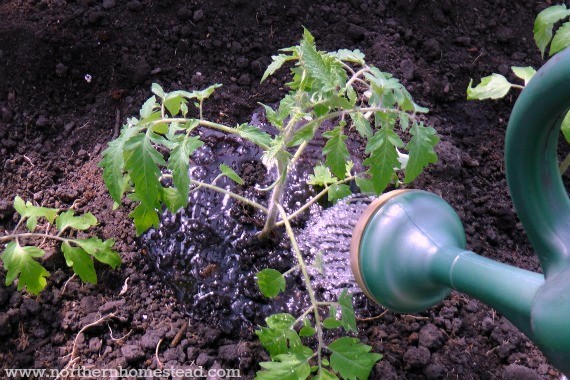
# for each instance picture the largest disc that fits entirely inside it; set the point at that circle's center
(72, 72)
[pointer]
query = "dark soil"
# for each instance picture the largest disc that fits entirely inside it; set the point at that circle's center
(54, 123)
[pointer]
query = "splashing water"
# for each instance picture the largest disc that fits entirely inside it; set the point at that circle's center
(328, 235)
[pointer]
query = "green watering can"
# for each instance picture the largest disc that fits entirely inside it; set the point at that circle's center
(408, 248)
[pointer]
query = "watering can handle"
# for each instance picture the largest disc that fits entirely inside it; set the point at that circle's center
(531, 154)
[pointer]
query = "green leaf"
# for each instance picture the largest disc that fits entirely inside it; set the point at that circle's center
(148, 107)
(561, 39)
(331, 323)
(30, 212)
(494, 86)
(287, 366)
(338, 191)
(144, 217)
(174, 103)
(69, 220)
(19, 263)
(365, 185)
(173, 200)
(421, 152)
(279, 337)
(157, 90)
(307, 331)
(336, 152)
(113, 164)
(276, 63)
(326, 71)
(178, 164)
(255, 135)
(545, 22)
(354, 56)
(276, 154)
(325, 374)
(19, 205)
(80, 261)
(142, 161)
(270, 282)
(383, 159)
(361, 124)
(352, 359)
(565, 127)
(205, 93)
(231, 174)
(322, 176)
(525, 73)
(100, 250)
(348, 318)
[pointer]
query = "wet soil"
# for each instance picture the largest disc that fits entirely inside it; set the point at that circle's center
(72, 71)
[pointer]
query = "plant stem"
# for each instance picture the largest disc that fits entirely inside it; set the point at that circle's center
(312, 201)
(32, 234)
(275, 199)
(307, 281)
(231, 194)
(205, 123)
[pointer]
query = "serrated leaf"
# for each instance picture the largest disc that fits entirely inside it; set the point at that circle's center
(348, 318)
(382, 160)
(352, 359)
(69, 220)
(322, 176)
(525, 73)
(361, 124)
(270, 282)
(113, 164)
(326, 71)
(565, 127)
(354, 56)
(421, 152)
(178, 164)
(173, 200)
(305, 133)
(276, 62)
(144, 217)
(80, 261)
(157, 90)
(494, 86)
(287, 366)
(338, 191)
(336, 152)
(404, 122)
(279, 337)
(174, 103)
(142, 160)
(28, 210)
(276, 153)
(255, 135)
(545, 22)
(561, 39)
(100, 250)
(19, 263)
(231, 174)
(365, 185)
(148, 107)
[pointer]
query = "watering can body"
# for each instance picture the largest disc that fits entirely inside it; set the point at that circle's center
(408, 249)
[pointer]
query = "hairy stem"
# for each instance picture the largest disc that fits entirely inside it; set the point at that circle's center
(275, 199)
(231, 194)
(307, 281)
(32, 234)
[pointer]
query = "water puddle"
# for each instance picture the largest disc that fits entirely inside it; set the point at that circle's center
(210, 254)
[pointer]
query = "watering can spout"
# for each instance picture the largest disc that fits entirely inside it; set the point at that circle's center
(408, 248)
